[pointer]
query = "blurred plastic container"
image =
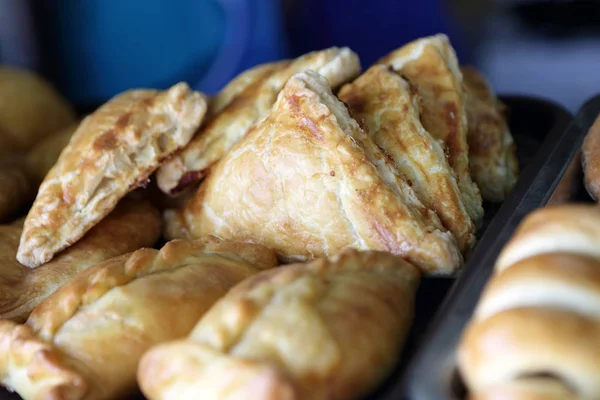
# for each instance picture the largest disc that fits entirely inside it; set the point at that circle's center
(94, 49)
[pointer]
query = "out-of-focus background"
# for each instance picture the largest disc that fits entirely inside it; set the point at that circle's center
(93, 49)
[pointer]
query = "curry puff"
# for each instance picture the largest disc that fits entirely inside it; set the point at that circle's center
(85, 340)
(391, 109)
(131, 225)
(307, 181)
(492, 151)
(331, 329)
(431, 65)
(246, 100)
(113, 151)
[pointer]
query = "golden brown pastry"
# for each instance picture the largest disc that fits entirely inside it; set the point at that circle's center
(338, 65)
(240, 83)
(44, 154)
(430, 63)
(30, 108)
(85, 340)
(536, 328)
(492, 151)
(307, 181)
(131, 225)
(331, 329)
(15, 191)
(113, 151)
(591, 160)
(391, 110)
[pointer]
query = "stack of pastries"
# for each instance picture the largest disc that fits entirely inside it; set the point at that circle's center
(301, 205)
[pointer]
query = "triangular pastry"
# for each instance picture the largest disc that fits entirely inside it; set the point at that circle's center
(492, 151)
(391, 109)
(113, 151)
(85, 340)
(430, 63)
(30, 108)
(307, 181)
(338, 65)
(331, 329)
(131, 225)
(16, 191)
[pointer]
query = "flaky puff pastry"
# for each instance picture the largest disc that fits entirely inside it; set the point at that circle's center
(113, 151)
(391, 110)
(338, 65)
(591, 160)
(331, 329)
(307, 181)
(492, 151)
(43, 155)
(536, 329)
(243, 81)
(16, 191)
(85, 340)
(130, 226)
(431, 64)
(30, 108)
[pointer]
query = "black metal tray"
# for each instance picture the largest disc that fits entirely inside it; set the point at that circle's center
(430, 372)
(544, 152)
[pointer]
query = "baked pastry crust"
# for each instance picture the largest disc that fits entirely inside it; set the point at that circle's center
(338, 65)
(430, 63)
(591, 160)
(537, 323)
(313, 182)
(391, 109)
(492, 151)
(131, 225)
(243, 81)
(349, 316)
(30, 108)
(113, 151)
(85, 340)
(16, 191)
(42, 156)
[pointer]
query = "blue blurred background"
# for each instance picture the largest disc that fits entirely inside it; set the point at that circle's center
(93, 49)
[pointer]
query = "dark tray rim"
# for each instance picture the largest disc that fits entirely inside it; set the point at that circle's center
(429, 373)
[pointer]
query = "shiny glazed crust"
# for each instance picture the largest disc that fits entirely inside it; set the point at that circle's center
(112, 152)
(391, 109)
(338, 65)
(131, 225)
(591, 160)
(492, 151)
(430, 63)
(312, 182)
(537, 324)
(331, 329)
(85, 340)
